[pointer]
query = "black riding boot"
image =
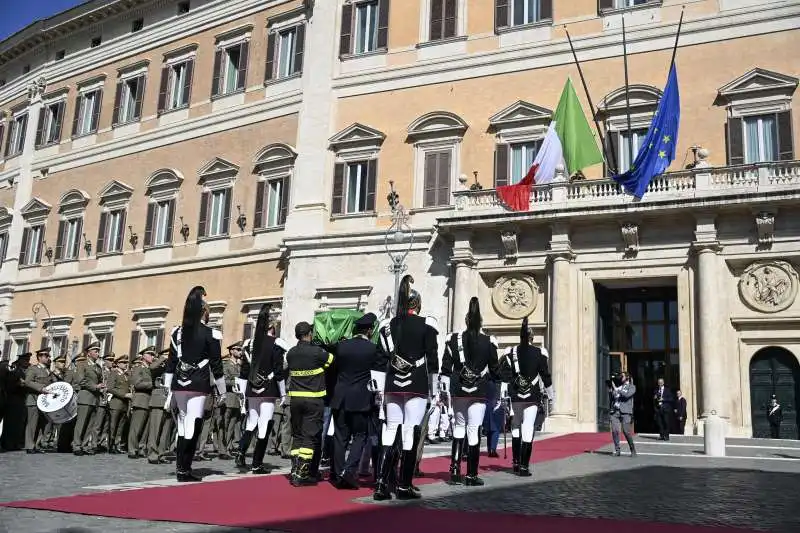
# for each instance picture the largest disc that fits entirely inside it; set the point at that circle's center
(456, 451)
(185, 473)
(473, 457)
(376, 459)
(525, 449)
(385, 465)
(244, 444)
(405, 491)
(515, 441)
(259, 451)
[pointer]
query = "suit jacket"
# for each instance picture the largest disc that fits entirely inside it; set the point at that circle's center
(623, 403)
(37, 378)
(89, 376)
(355, 359)
(680, 408)
(142, 383)
(667, 399)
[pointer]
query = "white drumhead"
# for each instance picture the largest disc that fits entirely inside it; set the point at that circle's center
(55, 397)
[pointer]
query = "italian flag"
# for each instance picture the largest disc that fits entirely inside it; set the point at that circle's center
(568, 141)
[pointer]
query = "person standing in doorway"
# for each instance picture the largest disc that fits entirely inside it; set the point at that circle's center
(775, 417)
(680, 411)
(662, 402)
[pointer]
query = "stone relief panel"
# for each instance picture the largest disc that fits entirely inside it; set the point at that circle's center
(768, 286)
(515, 296)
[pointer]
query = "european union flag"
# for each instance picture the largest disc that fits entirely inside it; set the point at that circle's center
(658, 150)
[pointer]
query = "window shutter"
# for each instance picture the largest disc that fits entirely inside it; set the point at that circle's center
(347, 30)
(436, 19)
(23, 252)
(159, 339)
(285, 191)
(299, 48)
(98, 106)
(443, 178)
(450, 17)
(6, 350)
(78, 102)
(117, 98)
(244, 50)
(39, 245)
(247, 332)
(58, 120)
(63, 345)
(187, 82)
(102, 231)
(170, 220)
(429, 198)
(4, 250)
(62, 225)
(785, 141)
(372, 171)
(545, 9)
(149, 224)
(141, 82)
(121, 233)
(215, 78)
(134, 347)
(501, 14)
(500, 165)
(338, 189)
(258, 219)
(205, 198)
(226, 220)
(25, 346)
(605, 5)
(108, 344)
(2, 132)
(40, 127)
(43, 344)
(162, 90)
(735, 142)
(269, 72)
(87, 340)
(383, 23)
(76, 246)
(612, 143)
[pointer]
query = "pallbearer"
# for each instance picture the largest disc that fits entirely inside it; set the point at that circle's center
(523, 367)
(470, 357)
(411, 379)
(263, 380)
(195, 356)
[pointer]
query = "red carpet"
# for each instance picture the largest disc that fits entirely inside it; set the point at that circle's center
(268, 502)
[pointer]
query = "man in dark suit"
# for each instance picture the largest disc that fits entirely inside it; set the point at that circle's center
(662, 402)
(352, 400)
(680, 411)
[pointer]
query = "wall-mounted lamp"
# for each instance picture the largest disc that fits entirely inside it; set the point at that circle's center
(133, 239)
(48, 251)
(241, 220)
(393, 198)
(184, 230)
(87, 246)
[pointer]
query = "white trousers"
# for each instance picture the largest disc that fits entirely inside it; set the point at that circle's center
(403, 411)
(191, 406)
(259, 413)
(433, 421)
(524, 420)
(468, 419)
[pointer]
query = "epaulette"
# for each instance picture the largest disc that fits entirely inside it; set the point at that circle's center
(282, 344)
(432, 322)
(493, 340)
(217, 334)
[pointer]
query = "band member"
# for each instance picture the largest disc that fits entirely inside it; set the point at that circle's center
(523, 368)
(90, 380)
(263, 380)
(410, 380)
(195, 355)
(101, 425)
(469, 358)
(141, 379)
(307, 364)
(120, 389)
(37, 377)
(230, 415)
(158, 419)
(775, 417)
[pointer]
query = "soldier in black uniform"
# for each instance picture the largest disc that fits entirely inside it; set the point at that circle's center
(523, 367)
(469, 358)
(307, 364)
(412, 376)
(775, 417)
(264, 381)
(195, 355)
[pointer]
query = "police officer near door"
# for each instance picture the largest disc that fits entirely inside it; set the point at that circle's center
(775, 417)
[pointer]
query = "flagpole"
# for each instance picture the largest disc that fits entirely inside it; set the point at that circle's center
(591, 105)
(627, 94)
(677, 36)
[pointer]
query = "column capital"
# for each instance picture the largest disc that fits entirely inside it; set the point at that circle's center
(564, 254)
(463, 259)
(706, 246)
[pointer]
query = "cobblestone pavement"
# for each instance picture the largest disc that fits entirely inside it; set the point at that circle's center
(755, 487)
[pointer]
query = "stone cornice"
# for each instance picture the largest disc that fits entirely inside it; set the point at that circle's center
(706, 246)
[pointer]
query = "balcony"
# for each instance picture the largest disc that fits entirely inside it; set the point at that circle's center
(671, 190)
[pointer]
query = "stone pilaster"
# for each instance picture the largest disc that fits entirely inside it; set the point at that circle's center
(712, 362)
(464, 288)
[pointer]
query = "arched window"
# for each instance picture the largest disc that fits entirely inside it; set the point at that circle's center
(273, 165)
(71, 209)
(437, 140)
(519, 129)
(623, 143)
(162, 189)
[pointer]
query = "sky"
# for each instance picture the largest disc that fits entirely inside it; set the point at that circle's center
(16, 14)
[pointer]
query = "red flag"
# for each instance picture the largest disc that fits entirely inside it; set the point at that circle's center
(517, 197)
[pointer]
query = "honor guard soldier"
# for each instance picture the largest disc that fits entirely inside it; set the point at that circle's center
(195, 362)
(524, 366)
(307, 365)
(120, 390)
(231, 411)
(37, 377)
(158, 419)
(774, 417)
(357, 360)
(141, 380)
(90, 381)
(470, 358)
(412, 375)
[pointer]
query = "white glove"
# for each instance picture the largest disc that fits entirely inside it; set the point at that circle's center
(450, 412)
(551, 394)
(503, 390)
(168, 402)
(242, 384)
(382, 412)
(283, 401)
(380, 379)
(445, 383)
(282, 388)
(220, 384)
(168, 381)
(434, 380)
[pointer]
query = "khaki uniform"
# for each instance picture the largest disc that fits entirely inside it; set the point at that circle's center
(233, 410)
(160, 421)
(67, 431)
(209, 428)
(119, 387)
(37, 377)
(90, 377)
(142, 382)
(49, 437)
(102, 414)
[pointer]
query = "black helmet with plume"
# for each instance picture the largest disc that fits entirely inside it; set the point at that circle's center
(407, 298)
(474, 318)
(524, 333)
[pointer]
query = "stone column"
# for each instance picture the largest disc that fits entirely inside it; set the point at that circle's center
(563, 359)
(712, 362)
(463, 287)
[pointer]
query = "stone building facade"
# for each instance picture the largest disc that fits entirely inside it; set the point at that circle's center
(249, 146)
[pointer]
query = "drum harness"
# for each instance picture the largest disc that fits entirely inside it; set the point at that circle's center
(184, 370)
(401, 365)
(468, 378)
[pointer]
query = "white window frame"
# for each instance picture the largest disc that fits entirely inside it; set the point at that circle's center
(86, 114)
(161, 226)
(34, 247)
(47, 125)
(268, 194)
(421, 149)
(127, 101)
(512, 4)
(115, 227)
(523, 143)
(217, 202)
(17, 133)
(281, 67)
(425, 22)
(99, 325)
(150, 319)
(361, 176)
(274, 162)
(371, 32)
(72, 239)
(760, 157)
(175, 84)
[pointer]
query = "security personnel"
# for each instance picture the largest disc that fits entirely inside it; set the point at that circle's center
(352, 400)
(307, 364)
(90, 381)
(157, 419)
(37, 377)
(141, 380)
(120, 389)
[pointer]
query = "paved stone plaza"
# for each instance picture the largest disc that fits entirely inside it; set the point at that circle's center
(754, 488)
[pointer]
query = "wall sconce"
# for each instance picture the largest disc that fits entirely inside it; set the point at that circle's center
(133, 239)
(475, 186)
(393, 198)
(48, 251)
(184, 230)
(87, 246)
(241, 220)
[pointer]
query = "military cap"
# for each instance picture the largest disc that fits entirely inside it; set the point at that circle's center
(26, 356)
(122, 358)
(149, 350)
(43, 351)
(62, 357)
(165, 351)
(235, 346)
(367, 320)
(92, 346)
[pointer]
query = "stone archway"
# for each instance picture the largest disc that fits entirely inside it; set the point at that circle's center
(774, 370)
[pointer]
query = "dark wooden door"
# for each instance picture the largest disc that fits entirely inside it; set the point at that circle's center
(774, 371)
(645, 368)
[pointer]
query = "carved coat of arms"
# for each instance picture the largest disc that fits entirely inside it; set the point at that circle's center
(515, 296)
(769, 286)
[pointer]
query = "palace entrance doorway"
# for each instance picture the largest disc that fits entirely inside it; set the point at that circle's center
(774, 370)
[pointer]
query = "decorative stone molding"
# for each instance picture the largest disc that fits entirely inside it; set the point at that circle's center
(510, 245)
(217, 174)
(100, 322)
(148, 318)
(515, 296)
(216, 310)
(36, 210)
(765, 225)
(342, 298)
(20, 329)
(73, 202)
(58, 325)
(163, 184)
(437, 124)
(252, 306)
(36, 88)
(115, 195)
(768, 286)
(630, 236)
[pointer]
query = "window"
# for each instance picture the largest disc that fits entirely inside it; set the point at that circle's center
(608, 5)
(285, 52)
(128, 102)
(176, 85)
(111, 231)
(443, 19)
(625, 157)
(96, 41)
(69, 239)
(215, 213)
(760, 138)
(183, 8)
(149, 338)
(3, 246)
(272, 202)
(437, 140)
(354, 187)
(26, 69)
(87, 113)
(230, 69)
(160, 219)
(365, 27)
(437, 178)
(16, 135)
(137, 25)
(511, 13)
(525, 12)
(522, 156)
(60, 55)
(51, 118)
(622, 4)
(32, 244)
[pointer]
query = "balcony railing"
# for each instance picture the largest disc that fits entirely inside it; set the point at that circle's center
(697, 183)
